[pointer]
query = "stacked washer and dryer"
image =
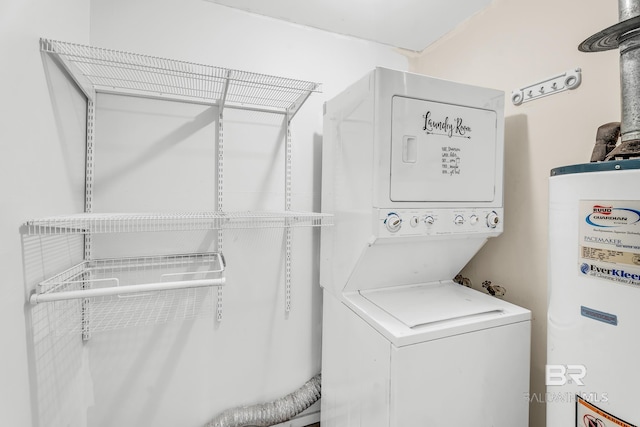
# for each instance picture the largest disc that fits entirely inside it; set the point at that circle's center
(413, 172)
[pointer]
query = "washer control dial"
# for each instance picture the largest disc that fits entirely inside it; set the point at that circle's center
(429, 220)
(393, 222)
(492, 219)
(458, 220)
(473, 219)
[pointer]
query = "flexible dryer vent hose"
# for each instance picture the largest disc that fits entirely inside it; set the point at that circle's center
(271, 413)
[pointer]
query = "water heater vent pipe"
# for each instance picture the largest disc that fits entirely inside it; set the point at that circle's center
(624, 35)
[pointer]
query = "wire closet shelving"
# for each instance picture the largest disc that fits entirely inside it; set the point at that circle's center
(179, 221)
(105, 70)
(108, 294)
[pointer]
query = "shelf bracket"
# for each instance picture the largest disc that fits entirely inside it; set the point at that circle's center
(76, 75)
(293, 109)
(287, 207)
(88, 208)
(223, 97)
(219, 193)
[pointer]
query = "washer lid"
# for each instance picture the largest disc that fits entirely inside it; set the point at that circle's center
(434, 303)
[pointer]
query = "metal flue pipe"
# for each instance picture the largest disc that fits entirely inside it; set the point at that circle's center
(624, 35)
(630, 72)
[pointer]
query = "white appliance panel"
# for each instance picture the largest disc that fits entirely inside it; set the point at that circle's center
(458, 379)
(442, 223)
(592, 321)
(355, 370)
(424, 305)
(404, 322)
(442, 152)
(475, 379)
(398, 262)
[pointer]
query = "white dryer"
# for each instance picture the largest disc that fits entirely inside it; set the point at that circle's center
(412, 171)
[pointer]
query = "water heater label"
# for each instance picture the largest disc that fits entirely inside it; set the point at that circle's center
(609, 246)
(589, 415)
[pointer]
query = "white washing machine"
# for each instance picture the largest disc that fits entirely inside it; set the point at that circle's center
(412, 171)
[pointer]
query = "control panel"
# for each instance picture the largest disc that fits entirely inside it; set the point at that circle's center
(434, 222)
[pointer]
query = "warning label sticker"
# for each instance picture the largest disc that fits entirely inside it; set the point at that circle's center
(589, 415)
(609, 246)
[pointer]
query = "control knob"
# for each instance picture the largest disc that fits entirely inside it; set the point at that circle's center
(429, 220)
(458, 220)
(493, 219)
(473, 219)
(393, 222)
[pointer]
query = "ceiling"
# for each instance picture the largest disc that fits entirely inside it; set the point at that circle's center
(407, 24)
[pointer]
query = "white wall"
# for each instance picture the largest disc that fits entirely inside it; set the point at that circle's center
(511, 44)
(185, 373)
(38, 170)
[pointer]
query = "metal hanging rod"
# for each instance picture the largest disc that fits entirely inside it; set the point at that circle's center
(124, 290)
(132, 291)
(113, 276)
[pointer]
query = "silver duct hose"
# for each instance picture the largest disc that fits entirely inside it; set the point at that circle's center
(271, 413)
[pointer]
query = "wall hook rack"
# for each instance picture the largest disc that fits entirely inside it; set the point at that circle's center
(559, 83)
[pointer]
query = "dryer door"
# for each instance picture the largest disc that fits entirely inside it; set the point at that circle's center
(442, 152)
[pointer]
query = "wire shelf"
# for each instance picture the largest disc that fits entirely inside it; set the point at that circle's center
(89, 223)
(98, 69)
(96, 295)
